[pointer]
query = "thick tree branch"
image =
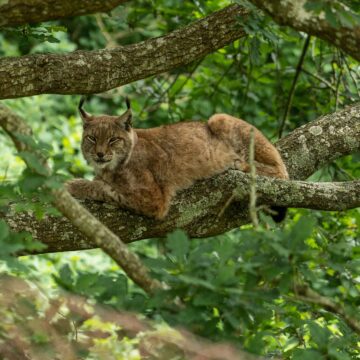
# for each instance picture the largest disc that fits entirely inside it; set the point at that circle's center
(311, 146)
(196, 209)
(293, 14)
(85, 72)
(88, 225)
(20, 12)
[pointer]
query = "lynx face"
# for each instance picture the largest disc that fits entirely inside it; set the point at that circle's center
(107, 141)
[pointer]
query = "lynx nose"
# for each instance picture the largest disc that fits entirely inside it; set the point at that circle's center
(100, 155)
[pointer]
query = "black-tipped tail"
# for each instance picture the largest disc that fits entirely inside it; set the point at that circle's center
(279, 213)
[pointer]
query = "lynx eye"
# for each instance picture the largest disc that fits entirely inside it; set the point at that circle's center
(114, 140)
(92, 139)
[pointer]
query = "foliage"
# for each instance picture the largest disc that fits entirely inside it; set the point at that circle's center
(239, 287)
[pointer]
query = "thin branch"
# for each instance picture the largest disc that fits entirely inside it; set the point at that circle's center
(318, 77)
(97, 233)
(306, 294)
(111, 43)
(252, 203)
(293, 86)
(356, 82)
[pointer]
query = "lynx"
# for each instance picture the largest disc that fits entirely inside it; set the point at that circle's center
(142, 169)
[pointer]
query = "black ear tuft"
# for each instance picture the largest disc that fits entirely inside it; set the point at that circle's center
(81, 103)
(84, 115)
(128, 121)
(128, 105)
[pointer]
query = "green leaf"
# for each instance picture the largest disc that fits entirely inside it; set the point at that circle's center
(314, 6)
(65, 278)
(191, 280)
(178, 243)
(4, 230)
(331, 17)
(307, 354)
(31, 182)
(34, 163)
(300, 232)
(320, 335)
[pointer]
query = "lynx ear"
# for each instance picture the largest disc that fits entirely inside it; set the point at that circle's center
(125, 120)
(85, 116)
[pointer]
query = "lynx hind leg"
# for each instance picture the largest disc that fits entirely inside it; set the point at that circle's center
(221, 125)
(151, 202)
(237, 132)
(268, 161)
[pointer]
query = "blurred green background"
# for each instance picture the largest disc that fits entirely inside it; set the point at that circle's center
(237, 287)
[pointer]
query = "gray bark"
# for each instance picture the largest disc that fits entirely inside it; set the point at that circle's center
(293, 14)
(196, 209)
(20, 12)
(86, 72)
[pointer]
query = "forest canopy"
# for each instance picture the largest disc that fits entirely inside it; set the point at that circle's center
(208, 281)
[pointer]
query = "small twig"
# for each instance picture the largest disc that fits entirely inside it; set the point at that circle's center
(110, 41)
(167, 90)
(350, 71)
(306, 294)
(227, 204)
(216, 86)
(252, 203)
(293, 86)
(338, 81)
(318, 77)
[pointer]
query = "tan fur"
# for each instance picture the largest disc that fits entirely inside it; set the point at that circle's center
(147, 167)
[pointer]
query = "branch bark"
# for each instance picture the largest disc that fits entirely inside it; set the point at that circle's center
(196, 209)
(20, 12)
(293, 14)
(86, 72)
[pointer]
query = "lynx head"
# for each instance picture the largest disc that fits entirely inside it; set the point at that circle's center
(107, 141)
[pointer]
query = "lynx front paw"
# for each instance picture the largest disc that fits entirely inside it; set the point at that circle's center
(75, 187)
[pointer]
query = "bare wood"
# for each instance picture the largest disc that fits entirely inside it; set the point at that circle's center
(293, 14)
(86, 72)
(20, 12)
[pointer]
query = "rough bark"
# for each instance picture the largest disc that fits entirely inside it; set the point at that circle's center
(20, 12)
(311, 146)
(85, 72)
(196, 209)
(293, 14)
